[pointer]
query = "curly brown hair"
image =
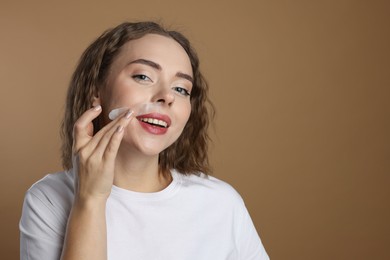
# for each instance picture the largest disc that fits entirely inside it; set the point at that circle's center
(188, 154)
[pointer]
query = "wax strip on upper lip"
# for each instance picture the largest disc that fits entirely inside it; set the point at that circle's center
(117, 112)
(140, 109)
(149, 108)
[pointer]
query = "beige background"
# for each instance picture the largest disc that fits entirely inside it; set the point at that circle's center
(302, 92)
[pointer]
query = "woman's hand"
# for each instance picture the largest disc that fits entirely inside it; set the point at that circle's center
(94, 165)
(94, 156)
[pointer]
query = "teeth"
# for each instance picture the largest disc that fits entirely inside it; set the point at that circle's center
(154, 121)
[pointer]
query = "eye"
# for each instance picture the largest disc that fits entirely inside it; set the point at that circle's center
(182, 91)
(141, 77)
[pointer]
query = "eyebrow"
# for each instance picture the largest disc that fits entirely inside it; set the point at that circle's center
(185, 76)
(158, 67)
(147, 62)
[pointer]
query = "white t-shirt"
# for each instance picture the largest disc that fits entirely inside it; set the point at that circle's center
(194, 218)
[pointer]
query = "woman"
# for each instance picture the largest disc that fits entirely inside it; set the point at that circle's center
(136, 186)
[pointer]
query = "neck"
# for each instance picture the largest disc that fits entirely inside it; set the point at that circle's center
(139, 173)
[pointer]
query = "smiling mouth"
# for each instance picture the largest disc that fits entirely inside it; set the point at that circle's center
(154, 122)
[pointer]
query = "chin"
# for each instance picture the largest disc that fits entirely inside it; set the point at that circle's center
(145, 146)
(150, 150)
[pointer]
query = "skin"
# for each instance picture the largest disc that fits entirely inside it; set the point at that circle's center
(122, 153)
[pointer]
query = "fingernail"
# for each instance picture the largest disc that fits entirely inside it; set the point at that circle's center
(128, 114)
(119, 129)
(97, 108)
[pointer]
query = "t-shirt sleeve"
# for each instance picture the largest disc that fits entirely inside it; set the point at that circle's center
(248, 241)
(41, 229)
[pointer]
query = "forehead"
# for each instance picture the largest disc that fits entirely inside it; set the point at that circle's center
(162, 50)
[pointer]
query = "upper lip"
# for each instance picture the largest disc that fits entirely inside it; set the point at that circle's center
(157, 116)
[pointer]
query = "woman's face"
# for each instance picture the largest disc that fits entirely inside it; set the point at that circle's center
(151, 70)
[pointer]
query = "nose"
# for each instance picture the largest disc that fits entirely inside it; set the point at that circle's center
(164, 96)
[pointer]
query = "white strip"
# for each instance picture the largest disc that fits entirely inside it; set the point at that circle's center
(117, 112)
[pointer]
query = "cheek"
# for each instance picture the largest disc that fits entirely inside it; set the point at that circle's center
(186, 113)
(128, 98)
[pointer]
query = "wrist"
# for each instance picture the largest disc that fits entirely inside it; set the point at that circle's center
(89, 202)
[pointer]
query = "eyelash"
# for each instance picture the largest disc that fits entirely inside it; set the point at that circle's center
(180, 90)
(141, 77)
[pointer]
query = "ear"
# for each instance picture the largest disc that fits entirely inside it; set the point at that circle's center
(96, 101)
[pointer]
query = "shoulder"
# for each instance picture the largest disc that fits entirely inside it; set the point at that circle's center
(211, 188)
(54, 191)
(220, 202)
(46, 208)
(54, 183)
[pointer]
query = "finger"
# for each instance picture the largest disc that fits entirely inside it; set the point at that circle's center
(93, 143)
(83, 127)
(108, 137)
(112, 147)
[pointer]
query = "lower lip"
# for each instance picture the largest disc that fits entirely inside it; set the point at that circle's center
(156, 130)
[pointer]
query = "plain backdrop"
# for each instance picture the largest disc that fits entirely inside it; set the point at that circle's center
(303, 113)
